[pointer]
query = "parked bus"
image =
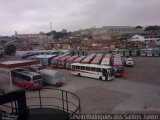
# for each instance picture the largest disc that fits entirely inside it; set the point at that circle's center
(89, 58)
(27, 79)
(62, 61)
(115, 52)
(45, 60)
(117, 56)
(93, 71)
(55, 60)
(118, 66)
(106, 60)
(126, 53)
(143, 52)
(149, 52)
(134, 53)
(69, 61)
(79, 59)
(31, 54)
(121, 52)
(97, 59)
(156, 52)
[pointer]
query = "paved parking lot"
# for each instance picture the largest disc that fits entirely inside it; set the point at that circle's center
(138, 92)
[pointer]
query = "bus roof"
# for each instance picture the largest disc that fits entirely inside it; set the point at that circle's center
(45, 56)
(72, 58)
(97, 59)
(117, 55)
(65, 57)
(60, 56)
(105, 61)
(89, 58)
(108, 56)
(26, 72)
(79, 59)
(92, 65)
(117, 61)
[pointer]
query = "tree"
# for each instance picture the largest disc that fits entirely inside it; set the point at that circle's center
(3, 42)
(139, 27)
(64, 31)
(154, 28)
(10, 49)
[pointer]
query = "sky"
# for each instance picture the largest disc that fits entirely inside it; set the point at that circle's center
(34, 16)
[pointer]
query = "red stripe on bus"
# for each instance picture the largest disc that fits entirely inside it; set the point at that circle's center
(83, 71)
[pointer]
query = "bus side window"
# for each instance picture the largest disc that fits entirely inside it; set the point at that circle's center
(82, 68)
(98, 69)
(77, 67)
(24, 77)
(73, 66)
(27, 78)
(93, 69)
(88, 68)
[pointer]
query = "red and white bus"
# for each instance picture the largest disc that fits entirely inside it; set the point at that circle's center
(55, 60)
(93, 71)
(106, 60)
(79, 59)
(27, 79)
(69, 61)
(118, 66)
(62, 61)
(117, 55)
(89, 58)
(97, 59)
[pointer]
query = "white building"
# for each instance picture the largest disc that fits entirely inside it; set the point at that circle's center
(118, 30)
(146, 38)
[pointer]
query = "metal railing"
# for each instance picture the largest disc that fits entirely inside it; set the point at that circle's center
(1, 91)
(13, 105)
(54, 98)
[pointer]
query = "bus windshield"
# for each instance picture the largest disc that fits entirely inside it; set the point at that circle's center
(112, 72)
(119, 69)
(37, 77)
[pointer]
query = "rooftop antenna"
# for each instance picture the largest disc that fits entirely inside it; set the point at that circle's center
(51, 26)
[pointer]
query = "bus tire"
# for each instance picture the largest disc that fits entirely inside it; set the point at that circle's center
(100, 77)
(79, 74)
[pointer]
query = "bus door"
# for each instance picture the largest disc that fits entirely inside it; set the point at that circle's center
(104, 74)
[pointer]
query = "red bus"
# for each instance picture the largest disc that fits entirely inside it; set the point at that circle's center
(55, 60)
(62, 61)
(89, 58)
(97, 59)
(118, 66)
(79, 59)
(27, 79)
(106, 60)
(69, 61)
(117, 55)
(107, 56)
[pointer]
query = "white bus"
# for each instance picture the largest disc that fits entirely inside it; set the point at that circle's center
(94, 71)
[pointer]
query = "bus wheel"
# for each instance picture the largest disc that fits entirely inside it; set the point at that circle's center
(100, 78)
(79, 74)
